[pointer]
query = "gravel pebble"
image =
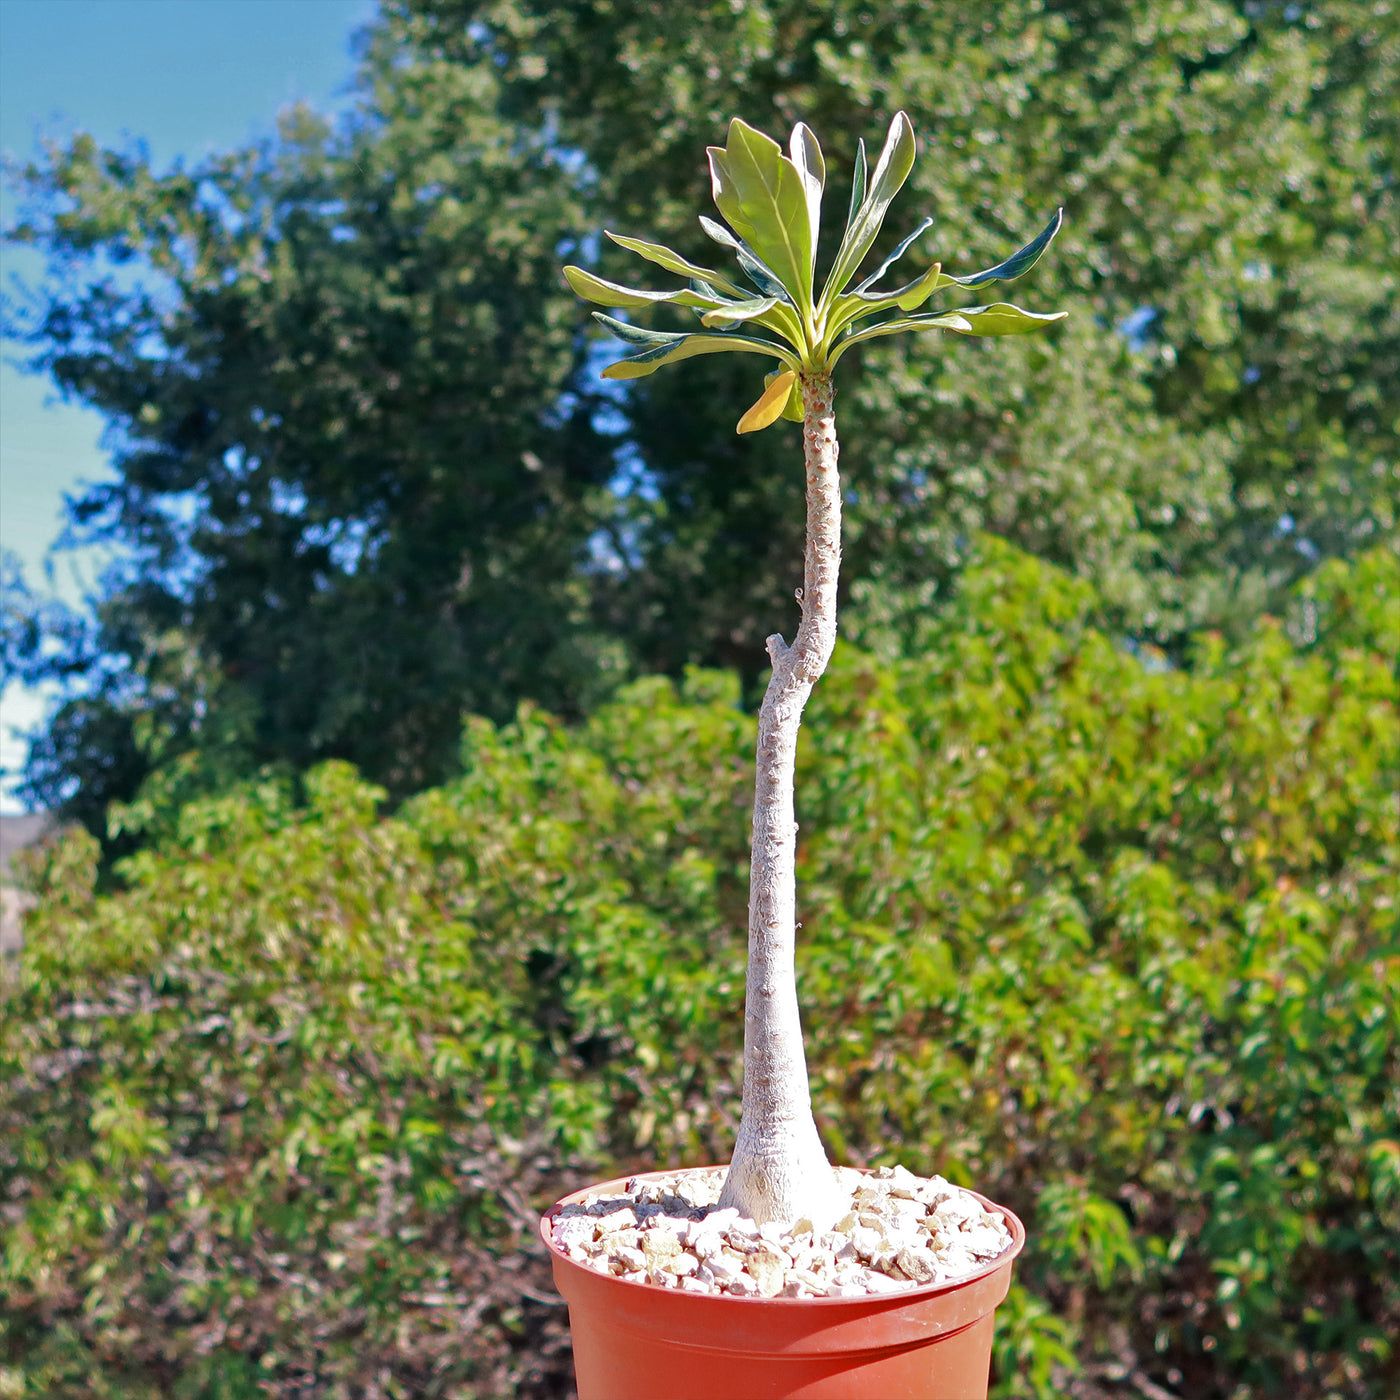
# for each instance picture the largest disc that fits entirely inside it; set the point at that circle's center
(624, 1260)
(768, 1267)
(900, 1232)
(574, 1231)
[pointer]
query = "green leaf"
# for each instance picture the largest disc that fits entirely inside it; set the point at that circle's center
(759, 273)
(913, 295)
(673, 262)
(783, 318)
(792, 409)
(665, 347)
(1004, 319)
(736, 311)
(857, 184)
(761, 195)
(638, 366)
(946, 321)
(854, 306)
(1001, 319)
(605, 293)
(811, 169)
(862, 302)
(891, 171)
(889, 262)
(1017, 263)
(639, 335)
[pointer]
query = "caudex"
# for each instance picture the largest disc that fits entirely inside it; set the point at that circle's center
(771, 203)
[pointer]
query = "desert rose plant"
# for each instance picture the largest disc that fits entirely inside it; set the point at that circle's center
(772, 205)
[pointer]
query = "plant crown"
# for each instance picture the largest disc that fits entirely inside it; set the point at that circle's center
(772, 203)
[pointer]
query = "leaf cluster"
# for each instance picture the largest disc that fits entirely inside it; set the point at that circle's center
(774, 206)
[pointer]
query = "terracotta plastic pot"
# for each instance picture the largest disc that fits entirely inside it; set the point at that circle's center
(634, 1341)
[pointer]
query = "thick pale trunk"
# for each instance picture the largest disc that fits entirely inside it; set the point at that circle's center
(779, 1170)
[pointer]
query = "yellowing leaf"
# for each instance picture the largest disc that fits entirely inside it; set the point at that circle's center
(770, 405)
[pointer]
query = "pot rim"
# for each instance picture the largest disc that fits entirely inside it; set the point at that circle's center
(915, 1292)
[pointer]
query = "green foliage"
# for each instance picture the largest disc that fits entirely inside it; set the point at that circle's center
(361, 461)
(1032, 1348)
(1114, 941)
(1224, 173)
(1082, 1232)
(773, 202)
(382, 519)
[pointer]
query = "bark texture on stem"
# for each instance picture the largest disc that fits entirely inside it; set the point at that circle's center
(779, 1170)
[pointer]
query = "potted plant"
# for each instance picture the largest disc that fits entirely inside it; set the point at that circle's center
(693, 1284)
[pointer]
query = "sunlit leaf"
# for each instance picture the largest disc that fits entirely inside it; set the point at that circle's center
(891, 171)
(924, 225)
(854, 306)
(665, 347)
(673, 262)
(947, 321)
(759, 273)
(811, 169)
(858, 180)
(1004, 319)
(913, 295)
(793, 409)
(604, 293)
(639, 335)
(735, 311)
(761, 195)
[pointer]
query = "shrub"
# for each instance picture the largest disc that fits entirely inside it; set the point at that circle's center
(1115, 942)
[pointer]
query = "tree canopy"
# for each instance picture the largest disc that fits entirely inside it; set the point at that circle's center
(367, 476)
(1116, 946)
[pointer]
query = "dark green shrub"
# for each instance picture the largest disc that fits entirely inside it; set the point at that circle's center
(1117, 943)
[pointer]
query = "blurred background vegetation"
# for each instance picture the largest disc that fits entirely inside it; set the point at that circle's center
(1101, 838)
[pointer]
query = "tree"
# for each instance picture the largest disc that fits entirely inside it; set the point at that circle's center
(773, 206)
(1207, 431)
(460, 520)
(345, 528)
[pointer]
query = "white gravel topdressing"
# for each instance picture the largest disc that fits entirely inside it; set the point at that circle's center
(901, 1231)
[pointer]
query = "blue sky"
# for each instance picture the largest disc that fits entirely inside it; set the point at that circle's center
(187, 77)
